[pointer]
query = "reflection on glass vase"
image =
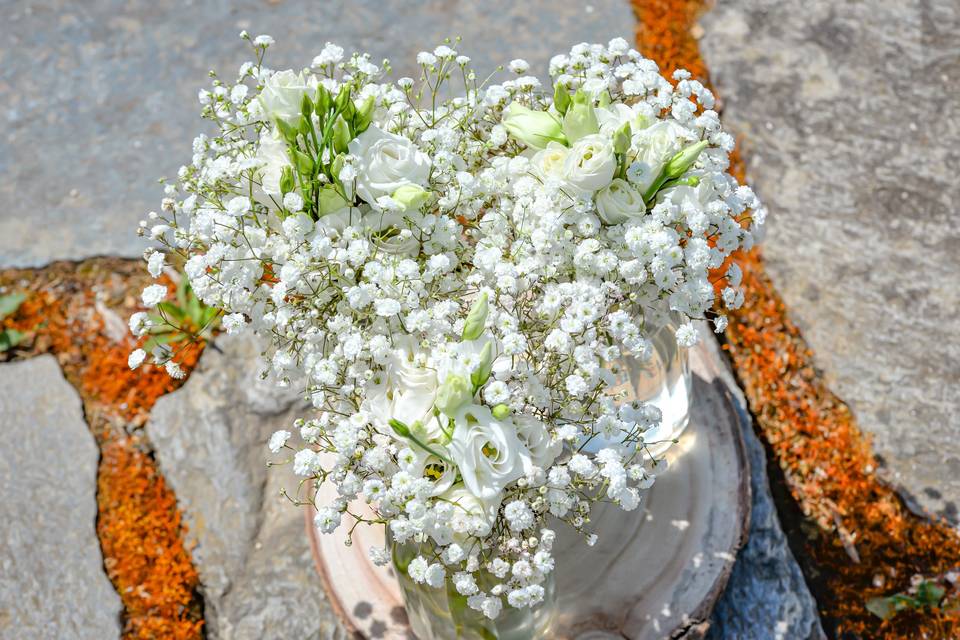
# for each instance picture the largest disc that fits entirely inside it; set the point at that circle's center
(663, 380)
(443, 614)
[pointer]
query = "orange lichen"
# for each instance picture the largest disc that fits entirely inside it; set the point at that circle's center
(857, 540)
(139, 528)
(67, 312)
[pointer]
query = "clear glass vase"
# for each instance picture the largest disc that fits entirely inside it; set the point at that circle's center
(443, 613)
(663, 380)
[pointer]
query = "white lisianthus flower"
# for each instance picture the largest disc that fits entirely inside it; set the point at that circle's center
(591, 163)
(652, 148)
(487, 451)
(405, 392)
(537, 439)
(618, 202)
(471, 515)
(533, 128)
(273, 158)
(548, 163)
(283, 94)
(386, 163)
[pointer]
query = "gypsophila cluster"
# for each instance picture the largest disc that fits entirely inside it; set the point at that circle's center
(449, 280)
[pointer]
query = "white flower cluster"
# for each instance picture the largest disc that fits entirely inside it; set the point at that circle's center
(450, 280)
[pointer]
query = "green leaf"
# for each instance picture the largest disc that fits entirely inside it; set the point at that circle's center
(930, 594)
(10, 303)
(883, 608)
(302, 162)
(9, 338)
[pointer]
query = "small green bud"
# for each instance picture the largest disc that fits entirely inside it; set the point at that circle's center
(580, 121)
(342, 98)
(287, 183)
(501, 411)
(411, 196)
(303, 125)
(288, 131)
(679, 163)
(323, 100)
(454, 393)
(399, 428)
(341, 135)
(561, 98)
(337, 166)
(364, 115)
(621, 139)
(482, 373)
(330, 200)
(476, 318)
(604, 99)
(306, 106)
(302, 162)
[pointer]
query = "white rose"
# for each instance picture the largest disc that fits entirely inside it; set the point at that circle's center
(652, 148)
(591, 163)
(272, 155)
(538, 441)
(283, 94)
(387, 162)
(487, 451)
(618, 202)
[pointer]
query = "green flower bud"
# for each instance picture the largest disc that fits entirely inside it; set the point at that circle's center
(482, 373)
(364, 115)
(679, 163)
(476, 318)
(342, 98)
(323, 100)
(454, 393)
(580, 121)
(341, 135)
(561, 98)
(501, 411)
(399, 428)
(330, 200)
(533, 128)
(604, 99)
(306, 106)
(621, 139)
(287, 182)
(411, 196)
(287, 130)
(302, 162)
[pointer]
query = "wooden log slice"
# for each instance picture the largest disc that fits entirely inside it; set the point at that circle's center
(655, 572)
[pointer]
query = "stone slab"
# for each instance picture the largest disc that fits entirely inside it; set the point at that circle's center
(766, 597)
(52, 580)
(252, 553)
(99, 100)
(852, 123)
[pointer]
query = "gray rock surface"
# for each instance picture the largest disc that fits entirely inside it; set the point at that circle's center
(52, 581)
(852, 123)
(98, 100)
(766, 597)
(257, 574)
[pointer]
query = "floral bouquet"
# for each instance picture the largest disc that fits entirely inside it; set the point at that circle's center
(448, 268)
